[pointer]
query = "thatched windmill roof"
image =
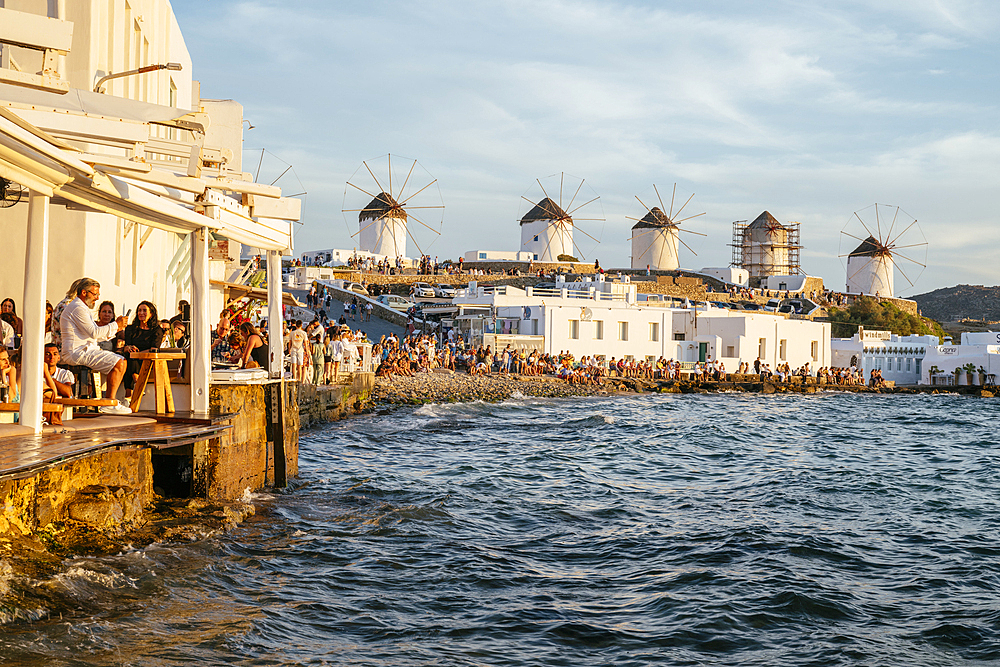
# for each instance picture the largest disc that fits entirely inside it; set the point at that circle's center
(654, 219)
(870, 247)
(383, 206)
(765, 221)
(546, 210)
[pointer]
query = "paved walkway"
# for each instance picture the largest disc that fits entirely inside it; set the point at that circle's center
(374, 329)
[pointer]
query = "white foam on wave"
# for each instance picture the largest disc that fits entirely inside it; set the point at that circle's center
(73, 576)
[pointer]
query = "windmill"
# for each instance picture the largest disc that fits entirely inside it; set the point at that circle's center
(547, 229)
(10, 193)
(656, 235)
(766, 247)
(388, 200)
(871, 266)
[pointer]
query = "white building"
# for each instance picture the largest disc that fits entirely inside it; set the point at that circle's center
(902, 359)
(605, 319)
(981, 349)
(339, 257)
(870, 269)
(547, 232)
(731, 274)
(498, 256)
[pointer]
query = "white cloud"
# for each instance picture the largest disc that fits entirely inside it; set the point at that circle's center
(810, 110)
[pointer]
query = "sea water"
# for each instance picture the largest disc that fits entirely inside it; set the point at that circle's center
(739, 529)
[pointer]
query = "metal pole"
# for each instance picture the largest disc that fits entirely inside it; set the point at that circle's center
(35, 277)
(200, 352)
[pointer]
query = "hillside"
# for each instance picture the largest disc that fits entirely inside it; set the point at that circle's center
(962, 301)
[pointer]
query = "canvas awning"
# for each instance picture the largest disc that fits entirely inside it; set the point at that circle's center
(238, 291)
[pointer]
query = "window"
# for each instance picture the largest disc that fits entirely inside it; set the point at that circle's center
(730, 351)
(574, 329)
(762, 349)
(814, 350)
(899, 364)
(535, 256)
(536, 238)
(534, 327)
(654, 331)
(598, 329)
(623, 331)
(679, 336)
(908, 365)
(482, 255)
(782, 349)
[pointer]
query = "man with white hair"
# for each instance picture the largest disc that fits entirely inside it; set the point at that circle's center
(80, 335)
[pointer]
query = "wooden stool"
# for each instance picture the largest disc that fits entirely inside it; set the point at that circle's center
(85, 386)
(155, 363)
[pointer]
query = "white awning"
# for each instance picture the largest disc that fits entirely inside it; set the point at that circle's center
(51, 167)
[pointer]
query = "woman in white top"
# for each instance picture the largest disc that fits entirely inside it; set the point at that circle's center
(335, 352)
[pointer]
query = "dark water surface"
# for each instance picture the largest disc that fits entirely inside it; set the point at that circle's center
(736, 529)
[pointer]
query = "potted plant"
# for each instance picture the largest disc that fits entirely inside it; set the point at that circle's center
(959, 374)
(969, 369)
(982, 376)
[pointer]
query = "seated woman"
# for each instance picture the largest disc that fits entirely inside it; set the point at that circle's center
(254, 354)
(106, 315)
(7, 306)
(142, 335)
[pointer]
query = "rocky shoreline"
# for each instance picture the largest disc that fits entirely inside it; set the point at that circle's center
(448, 387)
(444, 386)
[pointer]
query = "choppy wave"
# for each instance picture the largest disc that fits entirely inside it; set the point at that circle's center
(825, 529)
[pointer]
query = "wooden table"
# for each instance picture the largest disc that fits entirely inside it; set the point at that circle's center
(155, 363)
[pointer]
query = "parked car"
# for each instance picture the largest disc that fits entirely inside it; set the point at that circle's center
(772, 305)
(357, 288)
(444, 291)
(751, 306)
(395, 302)
(423, 291)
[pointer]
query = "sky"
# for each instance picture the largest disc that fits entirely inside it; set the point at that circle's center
(811, 110)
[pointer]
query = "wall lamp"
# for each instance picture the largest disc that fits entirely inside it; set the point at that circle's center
(176, 67)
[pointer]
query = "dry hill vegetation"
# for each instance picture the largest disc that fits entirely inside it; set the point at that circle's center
(885, 316)
(950, 304)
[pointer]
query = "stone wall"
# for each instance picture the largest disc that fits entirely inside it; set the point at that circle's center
(242, 457)
(328, 403)
(107, 490)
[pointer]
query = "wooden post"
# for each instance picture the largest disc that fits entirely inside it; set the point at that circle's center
(276, 430)
(36, 268)
(275, 338)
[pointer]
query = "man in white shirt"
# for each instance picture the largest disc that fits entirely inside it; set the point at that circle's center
(61, 377)
(80, 335)
(6, 334)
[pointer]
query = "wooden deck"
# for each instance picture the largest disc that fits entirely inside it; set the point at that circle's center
(24, 455)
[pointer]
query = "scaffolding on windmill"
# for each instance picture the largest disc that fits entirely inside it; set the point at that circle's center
(765, 247)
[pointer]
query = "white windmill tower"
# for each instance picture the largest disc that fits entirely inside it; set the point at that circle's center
(656, 235)
(871, 265)
(547, 229)
(386, 213)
